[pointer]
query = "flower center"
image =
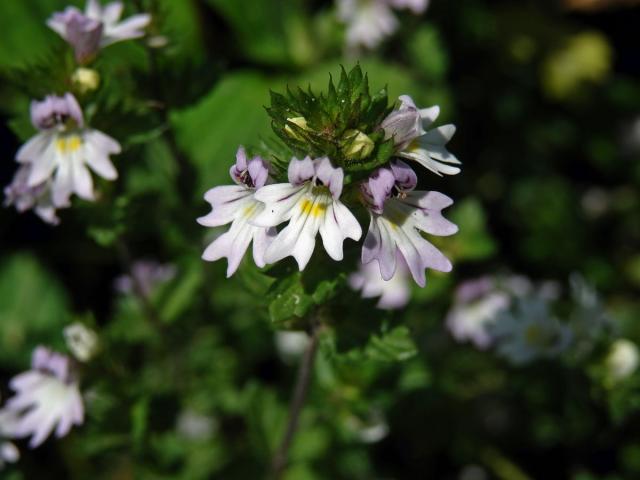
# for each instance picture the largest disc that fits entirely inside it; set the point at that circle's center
(313, 208)
(68, 144)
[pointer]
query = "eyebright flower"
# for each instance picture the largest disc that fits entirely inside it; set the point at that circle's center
(96, 28)
(371, 21)
(58, 156)
(398, 213)
(407, 126)
(529, 332)
(47, 397)
(38, 198)
(238, 205)
(145, 275)
(394, 293)
(311, 204)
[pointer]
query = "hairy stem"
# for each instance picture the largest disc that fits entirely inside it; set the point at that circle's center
(300, 390)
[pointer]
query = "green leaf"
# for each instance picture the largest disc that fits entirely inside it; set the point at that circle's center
(288, 300)
(472, 242)
(34, 308)
(393, 346)
(227, 117)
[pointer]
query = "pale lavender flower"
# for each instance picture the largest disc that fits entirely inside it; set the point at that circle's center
(310, 202)
(369, 22)
(477, 304)
(238, 205)
(145, 275)
(97, 27)
(394, 293)
(60, 155)
(529, 332)
(38, 198)
(47, 397)
(398, 215)
(408, 126)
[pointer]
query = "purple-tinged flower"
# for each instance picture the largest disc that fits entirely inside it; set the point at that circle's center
(479, 302)
(58, 156)
(238, 205)
(398, 215)
(311, 204)
(476, 306)
(38, 198)
(47, 397)
(394, 293)
(145, 275)
(96, 28)
(369, 22)
(408, 127)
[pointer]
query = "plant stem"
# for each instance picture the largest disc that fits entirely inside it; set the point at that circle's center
(300, 390)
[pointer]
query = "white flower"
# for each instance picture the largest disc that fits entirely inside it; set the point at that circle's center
(408, 126)
(237, 204)
(310, 202)
(371, 21)
(398, 215)
(62, 153)
(96, 28)
(622, 360)
(394, 293)
(47, 397)
(81, 341)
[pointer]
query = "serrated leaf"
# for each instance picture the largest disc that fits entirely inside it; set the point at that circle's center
(288, 300)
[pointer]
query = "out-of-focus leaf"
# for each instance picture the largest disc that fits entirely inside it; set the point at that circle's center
(229, 116)
(33, 308)
(472, 242)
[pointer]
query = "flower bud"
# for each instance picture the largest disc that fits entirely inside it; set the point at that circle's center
(85, 80)
(81, 341)
(622, 360)
(358, 145)
(300, 122)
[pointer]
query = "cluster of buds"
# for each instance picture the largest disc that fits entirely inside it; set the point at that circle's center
(368, 152)
(56, 162)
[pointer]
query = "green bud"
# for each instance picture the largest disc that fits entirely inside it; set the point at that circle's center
(357, 145)
(300, 122)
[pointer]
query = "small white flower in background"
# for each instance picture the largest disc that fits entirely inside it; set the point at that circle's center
(9, 453)
(529, 332)
(408, 127)
(81, 341)
(622, 360)
(398, 215)
(145, 275)
(369, 22)
(46, 397)
(291, 345)
(394, 293)
(238, 205)
(311, 204)
(372, 429)
(97, 27)
(196, 426)
(56, 161)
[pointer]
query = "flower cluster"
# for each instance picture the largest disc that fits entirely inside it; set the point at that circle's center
(310, 203)
(56, 162)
